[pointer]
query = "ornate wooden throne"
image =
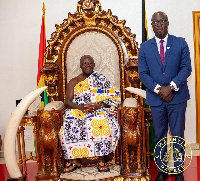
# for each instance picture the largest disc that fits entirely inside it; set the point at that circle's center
(93, 31)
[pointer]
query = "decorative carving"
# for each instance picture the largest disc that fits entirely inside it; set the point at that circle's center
(50, 71)
(131, 141)
(131, 74)
(49, 152)
(88, 6)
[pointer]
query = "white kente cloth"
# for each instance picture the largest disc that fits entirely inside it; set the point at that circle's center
(93, 134)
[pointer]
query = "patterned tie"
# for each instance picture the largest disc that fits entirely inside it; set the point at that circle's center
(162, 52)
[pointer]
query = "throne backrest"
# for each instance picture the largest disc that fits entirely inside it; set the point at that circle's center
(101, 48)
(91, 31)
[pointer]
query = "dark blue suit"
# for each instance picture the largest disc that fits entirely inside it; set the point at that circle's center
(177, 68)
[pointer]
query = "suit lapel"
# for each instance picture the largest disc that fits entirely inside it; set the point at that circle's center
(155, 50)
(168, 49)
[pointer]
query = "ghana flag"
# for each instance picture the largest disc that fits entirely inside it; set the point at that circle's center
(42, 47)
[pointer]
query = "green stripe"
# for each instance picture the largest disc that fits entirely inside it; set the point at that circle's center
(46, 101)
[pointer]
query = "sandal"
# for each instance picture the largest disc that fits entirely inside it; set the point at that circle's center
(102, 167)
(68, 165)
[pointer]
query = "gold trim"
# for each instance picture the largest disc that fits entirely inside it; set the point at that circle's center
(29, 121)
(196, 34)
(119, 178)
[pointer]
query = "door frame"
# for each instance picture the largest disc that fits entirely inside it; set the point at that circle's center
(196, 34)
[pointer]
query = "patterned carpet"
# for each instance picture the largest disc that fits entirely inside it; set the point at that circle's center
(91, 173)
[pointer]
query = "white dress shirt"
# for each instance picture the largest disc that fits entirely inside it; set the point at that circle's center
(175, 88)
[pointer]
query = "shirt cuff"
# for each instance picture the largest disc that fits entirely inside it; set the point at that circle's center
(174, 85)
(155, 89)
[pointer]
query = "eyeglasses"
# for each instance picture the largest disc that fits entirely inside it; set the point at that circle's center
(162, 22)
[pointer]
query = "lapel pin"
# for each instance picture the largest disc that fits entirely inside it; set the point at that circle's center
(168, 48)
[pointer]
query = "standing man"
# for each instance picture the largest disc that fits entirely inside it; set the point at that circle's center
(164, 66)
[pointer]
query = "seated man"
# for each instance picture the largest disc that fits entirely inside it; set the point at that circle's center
(90, 126)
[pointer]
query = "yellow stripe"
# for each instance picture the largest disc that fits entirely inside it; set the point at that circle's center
(146, 27)
(41, 82)
(41, 106)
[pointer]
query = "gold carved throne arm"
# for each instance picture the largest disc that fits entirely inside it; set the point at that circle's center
(50, 72)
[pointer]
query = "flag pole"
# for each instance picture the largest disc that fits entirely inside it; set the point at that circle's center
(43, 8)
(41, 58)
(144, 23)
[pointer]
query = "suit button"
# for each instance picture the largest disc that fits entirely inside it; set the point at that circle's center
(163, 73)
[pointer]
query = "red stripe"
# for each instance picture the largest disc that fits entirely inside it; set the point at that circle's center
(42, 47)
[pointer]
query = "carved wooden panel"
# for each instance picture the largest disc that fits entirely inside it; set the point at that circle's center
(132, 142)
(50, 161)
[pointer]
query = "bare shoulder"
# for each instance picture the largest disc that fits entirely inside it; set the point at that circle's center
(75, 81)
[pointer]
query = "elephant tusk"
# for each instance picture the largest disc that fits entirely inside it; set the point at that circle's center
(11, 131)
(137, 91)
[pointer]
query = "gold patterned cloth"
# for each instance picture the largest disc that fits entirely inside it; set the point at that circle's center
(93, 134)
